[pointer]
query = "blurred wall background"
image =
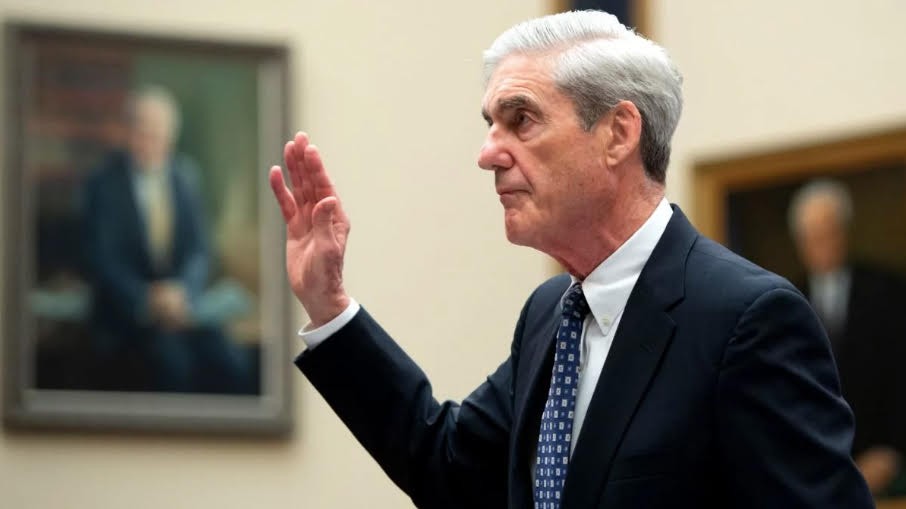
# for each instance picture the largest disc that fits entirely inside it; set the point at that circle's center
(766, 73)
(390, 92)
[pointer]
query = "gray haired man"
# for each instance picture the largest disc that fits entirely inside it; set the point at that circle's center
(662, 371)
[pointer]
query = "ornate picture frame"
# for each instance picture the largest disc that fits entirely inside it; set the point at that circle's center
(99, 335)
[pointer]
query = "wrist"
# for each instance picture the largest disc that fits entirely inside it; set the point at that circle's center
(326, 310)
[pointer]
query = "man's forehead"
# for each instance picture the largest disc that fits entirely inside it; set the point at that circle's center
(516, 68)
(820, 211)
(150, 110)
(516, 83)
(823, 202)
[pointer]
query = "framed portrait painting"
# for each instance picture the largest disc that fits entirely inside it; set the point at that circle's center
(632, 13)
(744, 201)
(144, 275)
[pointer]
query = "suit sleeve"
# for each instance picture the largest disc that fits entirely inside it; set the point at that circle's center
(442, 455)
(784, 430)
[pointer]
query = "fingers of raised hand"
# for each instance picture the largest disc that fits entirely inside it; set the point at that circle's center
(294, 170)
(304, 185)
(284, 197)
(322, 186)
(310, 182)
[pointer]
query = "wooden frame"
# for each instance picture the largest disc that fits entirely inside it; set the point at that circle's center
(639, 10)
(67, 89)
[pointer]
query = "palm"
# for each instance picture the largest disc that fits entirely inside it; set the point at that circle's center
(316, 231)
(306, 252)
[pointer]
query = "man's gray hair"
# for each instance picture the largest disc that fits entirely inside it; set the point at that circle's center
(600, 62)
(160, 97)
(826, 188)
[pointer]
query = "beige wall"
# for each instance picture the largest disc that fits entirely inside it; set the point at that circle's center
(391, 96)
(762, 73)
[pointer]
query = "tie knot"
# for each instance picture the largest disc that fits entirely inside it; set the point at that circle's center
(574, 304)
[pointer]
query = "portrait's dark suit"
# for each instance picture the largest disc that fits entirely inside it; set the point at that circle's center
(121, 269)
(870, 350)
(719, 391)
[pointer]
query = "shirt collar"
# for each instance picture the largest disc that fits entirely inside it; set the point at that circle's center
(608, 286)
(829, 282)
(146, 174)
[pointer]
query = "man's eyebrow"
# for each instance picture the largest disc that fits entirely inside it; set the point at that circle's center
(515, 102)
(510, 103)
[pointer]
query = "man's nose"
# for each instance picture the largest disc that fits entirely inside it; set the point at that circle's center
(494, 154)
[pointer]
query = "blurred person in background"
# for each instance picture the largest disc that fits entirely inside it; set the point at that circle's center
(861, 307)
(148, 261)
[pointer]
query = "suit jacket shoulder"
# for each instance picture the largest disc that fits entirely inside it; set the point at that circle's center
(723, 284)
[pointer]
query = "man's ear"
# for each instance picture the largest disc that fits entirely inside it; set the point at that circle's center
(625, 123)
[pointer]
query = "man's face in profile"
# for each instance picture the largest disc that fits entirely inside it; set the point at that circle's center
(821, 235)
(548, 171)
(151, 134)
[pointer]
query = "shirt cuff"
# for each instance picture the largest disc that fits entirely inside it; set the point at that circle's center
(315, 337)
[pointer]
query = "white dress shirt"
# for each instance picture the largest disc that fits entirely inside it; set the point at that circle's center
(314, 337)
(829, 295)
(606, 289)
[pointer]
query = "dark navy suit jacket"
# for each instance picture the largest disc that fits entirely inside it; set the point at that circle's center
(869, 349)
(117, 253)
(719, 391)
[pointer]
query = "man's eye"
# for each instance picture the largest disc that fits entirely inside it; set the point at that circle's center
(520, 119)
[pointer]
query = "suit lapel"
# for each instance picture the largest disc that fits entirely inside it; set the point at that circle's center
(139, 234)
(644, 334)
(541, 357)
(180, 222)
(645, 331)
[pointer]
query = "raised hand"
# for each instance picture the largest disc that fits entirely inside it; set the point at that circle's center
(316, 231)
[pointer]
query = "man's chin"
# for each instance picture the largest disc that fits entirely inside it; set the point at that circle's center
(517, 235)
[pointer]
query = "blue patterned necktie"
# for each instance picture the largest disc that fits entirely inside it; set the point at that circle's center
(557, 421)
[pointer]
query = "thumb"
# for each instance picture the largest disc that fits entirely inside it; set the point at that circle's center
(322, 218)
